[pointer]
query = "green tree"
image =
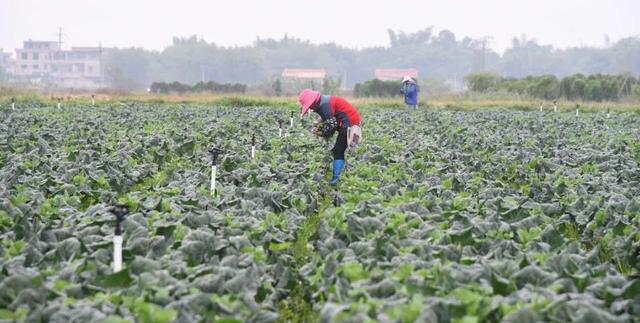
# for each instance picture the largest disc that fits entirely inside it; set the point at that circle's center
(593, 90)
(377, 88)
(566, 88)
(121, 81)
(545, 87)
(482, 81)
(636, 91)
(578, 88)
(277, 87)
(331, 86)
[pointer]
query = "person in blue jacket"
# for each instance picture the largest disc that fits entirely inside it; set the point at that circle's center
(410, 91)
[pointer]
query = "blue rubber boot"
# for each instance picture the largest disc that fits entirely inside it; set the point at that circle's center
(338, 165)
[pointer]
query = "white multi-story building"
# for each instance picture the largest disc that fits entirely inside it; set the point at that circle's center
(6, 65)
(46, 61)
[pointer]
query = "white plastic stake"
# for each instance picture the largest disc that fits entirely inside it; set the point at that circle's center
(253, 146)
(13, 105)
(215, 153)
(119, 211)
(214, 168)
(577, 112)
(291, 122)
(540, 107)
(117, 253)
(93, 102)
(279, 132)
(58, 105)
(555, 108)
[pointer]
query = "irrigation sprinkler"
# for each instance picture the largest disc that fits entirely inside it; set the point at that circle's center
(279, 127)
(577, 110)
(13, 103)
(541, 103)
(215, 153)
(59, 103)
(119, 211)
(608, 112)
(253, 146)
(93, 100)
(555, 106)
(291, 120)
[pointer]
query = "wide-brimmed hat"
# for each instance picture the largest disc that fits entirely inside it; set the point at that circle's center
(407, 79)
(307, 98)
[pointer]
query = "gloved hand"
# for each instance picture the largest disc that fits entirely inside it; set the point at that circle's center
(328, 127)
(315, 127)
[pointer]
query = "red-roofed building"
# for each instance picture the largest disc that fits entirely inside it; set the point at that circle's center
(301, 73)
(390, 74)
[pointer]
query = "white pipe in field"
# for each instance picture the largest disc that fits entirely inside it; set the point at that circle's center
(541, 108)
(253, 152)
(291, 122)
(577, 112)
(280, 132)
(93, 102)
(117, 253)
(555, 108)
(213, 178)
(58, 105)
(13, 106)
(608, 115)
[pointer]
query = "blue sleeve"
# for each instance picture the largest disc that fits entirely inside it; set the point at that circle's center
(324, 110)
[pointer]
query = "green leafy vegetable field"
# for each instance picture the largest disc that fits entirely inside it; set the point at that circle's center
(450, 216)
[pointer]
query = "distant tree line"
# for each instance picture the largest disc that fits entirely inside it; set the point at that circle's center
(596, 87)
(436, 55)
(213, 87)
(377, 88)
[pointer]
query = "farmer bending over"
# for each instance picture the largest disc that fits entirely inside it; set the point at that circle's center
(336, 114)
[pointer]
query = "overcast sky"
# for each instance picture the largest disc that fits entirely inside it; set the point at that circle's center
(353, 23)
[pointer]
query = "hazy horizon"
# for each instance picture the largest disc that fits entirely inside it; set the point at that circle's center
(354, 24)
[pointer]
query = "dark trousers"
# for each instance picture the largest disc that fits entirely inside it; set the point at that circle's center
(341, 144)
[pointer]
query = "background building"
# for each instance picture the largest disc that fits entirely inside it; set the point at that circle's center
(47, 62)
(301, 73)
(7, 65)
(296, 79)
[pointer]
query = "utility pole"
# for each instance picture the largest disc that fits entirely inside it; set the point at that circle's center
(344, 80)
(623, 84)
(484, 55)
(101, 64)
(60, 34)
